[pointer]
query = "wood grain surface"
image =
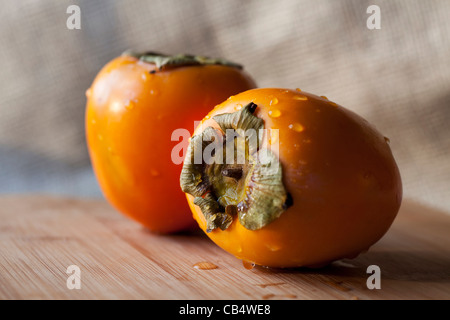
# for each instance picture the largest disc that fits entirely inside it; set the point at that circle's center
(41, 236)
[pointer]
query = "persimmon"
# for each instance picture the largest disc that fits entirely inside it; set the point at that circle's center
(133, 106)
(318, 183)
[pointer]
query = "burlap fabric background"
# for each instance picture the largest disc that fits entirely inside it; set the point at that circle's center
(397, 77)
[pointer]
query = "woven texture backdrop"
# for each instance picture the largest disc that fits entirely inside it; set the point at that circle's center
(397, 77)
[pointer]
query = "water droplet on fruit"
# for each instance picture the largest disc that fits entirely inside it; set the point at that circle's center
(154, 172)
(296, 127)
(323, 97)
(275, 113)
(144, 76)
(387, 140)
(248, 265)
(274, 101)
(88, 92)
(298, 89)
(300, 97)
(204, 265)
(129, 105)
(238, 107)
(334, 104)
(207, 117)
(273, 247)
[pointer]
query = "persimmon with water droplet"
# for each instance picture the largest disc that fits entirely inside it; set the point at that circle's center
(301, 199)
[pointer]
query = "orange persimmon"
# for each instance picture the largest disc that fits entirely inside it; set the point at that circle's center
(133, 107)
(330, 189)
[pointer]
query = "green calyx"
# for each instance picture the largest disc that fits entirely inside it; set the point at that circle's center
(164, 62)
(230, 175)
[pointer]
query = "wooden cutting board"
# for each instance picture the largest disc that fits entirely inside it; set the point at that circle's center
(41, 236)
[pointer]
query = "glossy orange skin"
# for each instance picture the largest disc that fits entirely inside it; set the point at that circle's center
(130, 117)
(340, 171)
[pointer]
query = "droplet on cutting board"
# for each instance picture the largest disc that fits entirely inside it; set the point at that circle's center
(265, 285)
(248, 265)
(338, 285)
(204, 265)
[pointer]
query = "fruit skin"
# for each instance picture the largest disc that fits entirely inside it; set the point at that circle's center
(130, 116)
(340, 172)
